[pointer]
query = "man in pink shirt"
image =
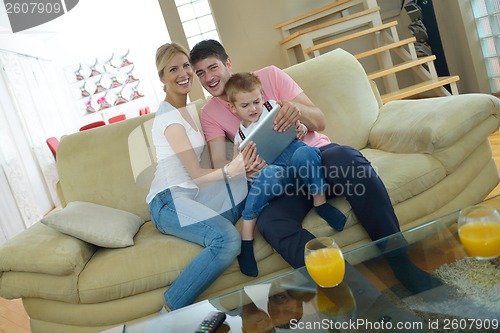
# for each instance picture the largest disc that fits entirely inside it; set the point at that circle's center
(280, 223)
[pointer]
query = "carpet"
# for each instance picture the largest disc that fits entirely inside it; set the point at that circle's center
(471, 289)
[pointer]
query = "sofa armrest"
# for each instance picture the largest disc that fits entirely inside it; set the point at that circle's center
(433, 124)
(41, 249)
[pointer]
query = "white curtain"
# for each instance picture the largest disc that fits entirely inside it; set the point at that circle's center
(30, 112)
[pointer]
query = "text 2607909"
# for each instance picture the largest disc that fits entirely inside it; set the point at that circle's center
(33, 7)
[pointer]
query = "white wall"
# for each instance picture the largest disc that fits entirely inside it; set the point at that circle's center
(97, 29)
(93, 29)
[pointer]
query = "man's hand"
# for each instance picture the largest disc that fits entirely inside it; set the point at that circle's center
(253, 163)
(287, 116)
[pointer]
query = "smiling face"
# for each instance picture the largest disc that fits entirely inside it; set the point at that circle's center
(213, 75)
(248, 106)
(177, 75)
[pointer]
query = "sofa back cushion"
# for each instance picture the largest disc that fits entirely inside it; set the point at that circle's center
(111, 165)
(94, 166)
(337, 83)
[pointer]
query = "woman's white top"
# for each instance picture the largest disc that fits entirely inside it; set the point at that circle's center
(170, 171)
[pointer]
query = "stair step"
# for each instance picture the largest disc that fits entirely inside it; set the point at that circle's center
(401, 67)
(419, 88)
(312, 13)
(330, 23)
(386, 47)
(302, 31)
(351, 36)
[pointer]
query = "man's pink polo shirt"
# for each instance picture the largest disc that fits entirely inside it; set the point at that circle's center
(218, 121)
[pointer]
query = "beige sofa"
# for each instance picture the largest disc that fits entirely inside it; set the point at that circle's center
(432, 154)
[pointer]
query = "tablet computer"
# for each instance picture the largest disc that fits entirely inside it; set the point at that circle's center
(269, 143)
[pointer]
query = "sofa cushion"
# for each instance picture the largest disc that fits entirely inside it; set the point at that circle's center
(94, 166)
(36, 285)
(40, 249)
(351, 107)
(153, 262)
(405, 175)
(96, 224)
(429, 125)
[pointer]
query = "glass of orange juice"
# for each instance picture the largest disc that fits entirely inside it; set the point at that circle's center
(338, 302)
(479, 231)
(324, 262)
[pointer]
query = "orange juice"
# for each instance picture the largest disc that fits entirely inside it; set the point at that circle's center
(481, 239)
(335, 301)
(326, 266)
(326, 305)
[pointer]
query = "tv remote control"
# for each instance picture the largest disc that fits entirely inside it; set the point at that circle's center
(211, 322)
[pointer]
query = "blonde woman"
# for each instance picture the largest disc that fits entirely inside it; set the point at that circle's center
(176, 202)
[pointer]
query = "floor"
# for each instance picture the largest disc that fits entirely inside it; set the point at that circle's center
(495, 147)
(13, 318)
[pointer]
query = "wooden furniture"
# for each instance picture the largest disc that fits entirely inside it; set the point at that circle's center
(92, 125)
(144, 111)
(117, 118)
(53, 143)
(338, 24)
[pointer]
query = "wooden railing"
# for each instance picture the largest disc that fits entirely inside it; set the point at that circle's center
(331, 26)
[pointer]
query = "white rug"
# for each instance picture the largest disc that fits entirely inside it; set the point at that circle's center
(471, 290)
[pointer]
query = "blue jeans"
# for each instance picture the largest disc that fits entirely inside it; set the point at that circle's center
(281, 222)
(297, 163)
(217, 234)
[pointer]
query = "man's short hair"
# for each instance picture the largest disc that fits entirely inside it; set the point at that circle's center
(208, 48)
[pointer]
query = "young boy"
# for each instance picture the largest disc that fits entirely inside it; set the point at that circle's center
(244, 93)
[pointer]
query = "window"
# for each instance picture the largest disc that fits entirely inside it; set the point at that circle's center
(487, 16)
(197, 20)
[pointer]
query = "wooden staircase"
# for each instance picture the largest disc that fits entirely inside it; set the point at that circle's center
(337, 24)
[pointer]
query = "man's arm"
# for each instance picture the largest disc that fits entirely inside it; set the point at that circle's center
(217, 150)
(300, 108)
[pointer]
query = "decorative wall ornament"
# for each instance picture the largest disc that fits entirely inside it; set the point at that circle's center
(105, 83)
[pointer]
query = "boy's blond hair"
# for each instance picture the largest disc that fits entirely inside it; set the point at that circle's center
(241, 82)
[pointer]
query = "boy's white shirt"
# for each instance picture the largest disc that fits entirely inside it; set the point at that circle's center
(247, 130)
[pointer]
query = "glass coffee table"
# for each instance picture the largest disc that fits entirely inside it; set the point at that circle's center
(370, 299)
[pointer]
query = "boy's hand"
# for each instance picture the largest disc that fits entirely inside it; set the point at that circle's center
(301, 129)
(286, 117)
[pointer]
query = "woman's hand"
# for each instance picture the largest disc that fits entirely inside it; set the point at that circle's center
(235, 168)
(287, 116)
(253, 163)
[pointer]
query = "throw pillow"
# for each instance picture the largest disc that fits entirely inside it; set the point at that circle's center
(99, 225)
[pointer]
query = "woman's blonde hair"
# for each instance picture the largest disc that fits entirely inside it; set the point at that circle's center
(165, 53)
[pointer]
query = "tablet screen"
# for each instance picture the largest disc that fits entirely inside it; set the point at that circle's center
(269, 142)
